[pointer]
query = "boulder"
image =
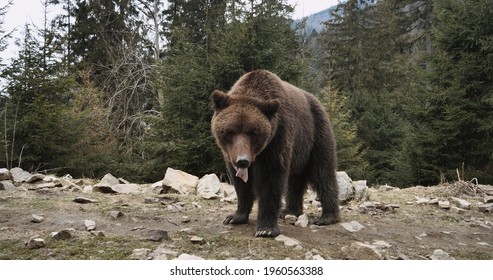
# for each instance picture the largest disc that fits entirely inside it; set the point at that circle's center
(5, 174)
(127, 188)
(179, 182)
(19, 175)
(360, 190)
(346, 189)
(209, 186)
(6, 186)
(108, 180)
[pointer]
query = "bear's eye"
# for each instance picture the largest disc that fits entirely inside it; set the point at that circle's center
(227, 134)
(252, 134)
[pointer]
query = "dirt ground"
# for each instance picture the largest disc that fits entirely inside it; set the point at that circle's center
(412, 231)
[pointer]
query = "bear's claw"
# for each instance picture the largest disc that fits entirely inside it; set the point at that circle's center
(235, 219)
(268, 232)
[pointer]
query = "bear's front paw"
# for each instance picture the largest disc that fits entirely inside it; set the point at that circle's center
(267, 232)
(326, 220)
(236, 219)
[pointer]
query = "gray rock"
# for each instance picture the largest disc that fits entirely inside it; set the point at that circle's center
(197, 240)
(352, 226)
(19, 175)
(456, 210)
(103, 189)
(486, 208)
(35, 177)
(461, 203)
(157, 235)
(288, 241)
(140, 254)
(361, 251)
(35, 243)
(290, 219)
(90, 225)
(84, 200)
(360, 190)
(36, 218)
(488, 199)
(127, 188)
(64, 234)
(189, 257)
(179, 182)
(439, 254)
(156, 188)
(302, 221)
(444, 204)
(116, 214)
(228, 193)
(346, 189)
(109, 180)
(422, 200)
(162, 253)
(7, 186)
(5, 174)
(209, 186)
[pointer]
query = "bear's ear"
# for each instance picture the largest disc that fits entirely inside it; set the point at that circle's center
(220, 100)
(270, 107)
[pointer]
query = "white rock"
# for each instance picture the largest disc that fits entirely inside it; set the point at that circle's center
(7, 186)
(197, 240)
(109, 180)
(87, 189)
(352, 226)
(19, 175)
(35, 243)
(36, 218)
(361, 251)
(156, 188)
(179, 181)
(5, 174)
(127, 188)
(444, 204)
(209, 186)
(488, 199)
(486, 208)
(461, 203)
(422, 200)
(360, 190)
(290, 219)
(288, 241)
(189, 257)
(439, 254)
(302, 221)
(456, 210)
(381, 244)
(346, 189)
(140, 254)
(228, 193)
(90, 225)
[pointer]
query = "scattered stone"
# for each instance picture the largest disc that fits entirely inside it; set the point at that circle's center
(116, 214)
(302, 221)
(311, 256)
(88, 189)
(483, 244)
(103, 189)
(290, 219)
(422, 200)
(108, 180)
(439, 254)
(197, 240)
(486, 208)
(162, 253)
(444, 204)
(461, 203)
(35, 177)
(209, 186)
(352, 226)
(151, 200)
(456, 210)
(84, 200)
(361, 251)
(6, 186)
(488, 199)
(35, 243)
(386, 188)
(156, 188)
(49, 185)
(127, 188)
(433, 201)
(5, 174)
(185, 220)
(189, 257)
(90, 225)
(360, 190)
(36, 218)
(179, 182)
(140, 254)
(64, 234)
(380, 244)
(98, 233)
(288, 241)
(157, 235)
(346, 189)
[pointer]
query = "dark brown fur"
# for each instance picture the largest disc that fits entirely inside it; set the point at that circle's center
(284, 137)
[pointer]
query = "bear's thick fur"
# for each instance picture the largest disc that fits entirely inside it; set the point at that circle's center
(276, 139)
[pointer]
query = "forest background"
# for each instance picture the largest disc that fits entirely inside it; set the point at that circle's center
(123, 86)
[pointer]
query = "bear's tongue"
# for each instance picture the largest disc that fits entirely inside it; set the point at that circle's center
(242, 173)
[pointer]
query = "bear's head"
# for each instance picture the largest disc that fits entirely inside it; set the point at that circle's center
(242, 127)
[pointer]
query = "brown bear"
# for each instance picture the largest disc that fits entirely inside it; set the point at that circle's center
(276, 139)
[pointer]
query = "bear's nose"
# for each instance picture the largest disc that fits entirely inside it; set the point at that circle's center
(242, 162)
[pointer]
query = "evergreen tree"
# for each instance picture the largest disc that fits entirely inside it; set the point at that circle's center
(456, 97)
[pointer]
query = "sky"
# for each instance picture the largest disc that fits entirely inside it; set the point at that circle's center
(23, 11)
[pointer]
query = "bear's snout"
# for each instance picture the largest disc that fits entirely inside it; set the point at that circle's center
(242, 161)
